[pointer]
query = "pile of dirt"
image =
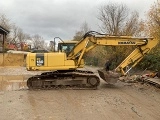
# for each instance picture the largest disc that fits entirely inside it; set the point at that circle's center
(9, 59)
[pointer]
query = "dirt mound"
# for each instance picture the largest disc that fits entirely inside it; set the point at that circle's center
(9, 59)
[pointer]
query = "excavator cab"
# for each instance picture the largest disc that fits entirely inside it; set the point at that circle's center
(66, 46)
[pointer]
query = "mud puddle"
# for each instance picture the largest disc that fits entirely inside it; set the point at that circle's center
(13, 82)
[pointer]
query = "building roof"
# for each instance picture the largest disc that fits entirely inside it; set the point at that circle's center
(3, 30)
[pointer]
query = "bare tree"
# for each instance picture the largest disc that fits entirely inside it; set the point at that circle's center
(83, 29)
(5, 22)
(14, 34)
(52, 46)
(113, 17)
(116, 20)
(22, 38)
(18, 37)
(154, 13)
(154, 19)
(38, 42)
(133, 26)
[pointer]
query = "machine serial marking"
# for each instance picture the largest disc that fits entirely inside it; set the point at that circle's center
(39, 59)
(127, 42)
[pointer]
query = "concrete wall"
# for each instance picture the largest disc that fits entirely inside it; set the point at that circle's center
(12, 59)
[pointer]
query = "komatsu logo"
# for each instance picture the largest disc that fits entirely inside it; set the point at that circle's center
(127, 42)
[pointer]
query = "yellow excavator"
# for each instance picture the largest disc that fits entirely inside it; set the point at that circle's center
(62, 66)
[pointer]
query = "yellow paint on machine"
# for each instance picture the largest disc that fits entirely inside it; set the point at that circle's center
(55, 59)
(52, 61)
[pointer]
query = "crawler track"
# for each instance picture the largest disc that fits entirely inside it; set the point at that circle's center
(64, 79)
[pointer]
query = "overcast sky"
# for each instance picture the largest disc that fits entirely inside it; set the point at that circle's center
(61, 18)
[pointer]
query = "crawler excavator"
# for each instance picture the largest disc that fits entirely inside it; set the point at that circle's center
(62, 66)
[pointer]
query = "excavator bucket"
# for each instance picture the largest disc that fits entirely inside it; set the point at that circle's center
(108, 76)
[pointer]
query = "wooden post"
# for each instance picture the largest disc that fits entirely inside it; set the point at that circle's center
(3, 39)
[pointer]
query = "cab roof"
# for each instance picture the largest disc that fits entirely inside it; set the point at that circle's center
(69, 41)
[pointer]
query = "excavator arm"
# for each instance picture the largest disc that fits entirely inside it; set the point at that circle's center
(93, 39)
(136, 55)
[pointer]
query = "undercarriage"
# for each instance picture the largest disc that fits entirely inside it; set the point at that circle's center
(64, 79)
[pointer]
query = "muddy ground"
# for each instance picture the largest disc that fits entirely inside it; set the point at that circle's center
(122, 101)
